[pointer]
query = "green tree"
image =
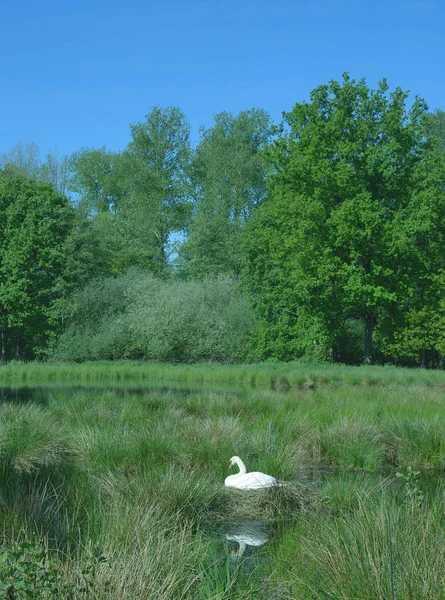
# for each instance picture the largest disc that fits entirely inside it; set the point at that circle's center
(330, 243)
(435, 127)
(56, 169)
(136, 199)
(418, 327)
(136, 315)
(98, 184)
(94, 180)
(23, 159)
(157, 164)
(34, 223)
(229, 181)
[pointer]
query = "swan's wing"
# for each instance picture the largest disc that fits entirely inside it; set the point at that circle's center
(264, 480)
(251, 481)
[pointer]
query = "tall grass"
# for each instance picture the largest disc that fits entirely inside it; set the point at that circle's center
(276, 376)
(380, 549)
(140, 478)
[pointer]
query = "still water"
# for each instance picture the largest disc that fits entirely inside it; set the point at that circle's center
(42, 394)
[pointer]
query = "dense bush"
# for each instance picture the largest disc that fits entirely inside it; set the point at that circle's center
(138, 316)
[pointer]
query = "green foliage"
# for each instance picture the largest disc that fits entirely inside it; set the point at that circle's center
(335, 229)
(131, 202)
(216, 579)
(411, 485)
(24, 159)
(26, 571)
(134, 489)
(94, 180)
(435, 127)
(300, 375)
(375, 549)
(28, 440)
(356, 190)
(229, 181)
(138, 316)
(34, 224)
(85, 583)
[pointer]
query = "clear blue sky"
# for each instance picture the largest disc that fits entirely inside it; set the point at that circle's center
(77, 73)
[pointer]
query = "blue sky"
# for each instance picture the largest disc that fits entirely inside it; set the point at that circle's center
(77, 73)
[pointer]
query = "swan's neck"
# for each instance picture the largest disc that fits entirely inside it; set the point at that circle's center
(240, 551)
(242, 466)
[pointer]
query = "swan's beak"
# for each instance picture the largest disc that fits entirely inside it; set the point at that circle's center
(230, 464)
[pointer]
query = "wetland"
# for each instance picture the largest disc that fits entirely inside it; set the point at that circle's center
(118, 487)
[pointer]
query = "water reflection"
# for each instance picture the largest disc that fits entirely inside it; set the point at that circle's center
(245, 537)
(23, 395)
(41, 394)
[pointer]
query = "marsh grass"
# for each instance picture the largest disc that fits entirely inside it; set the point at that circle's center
(360, 553)
(29, 439)
(275, 376)
(137, 475)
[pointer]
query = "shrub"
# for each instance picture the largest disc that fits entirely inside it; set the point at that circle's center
(138, 316)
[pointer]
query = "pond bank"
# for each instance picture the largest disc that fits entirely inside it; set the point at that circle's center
(279, 376)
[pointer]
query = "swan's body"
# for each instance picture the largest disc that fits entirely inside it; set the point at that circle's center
(248, 481)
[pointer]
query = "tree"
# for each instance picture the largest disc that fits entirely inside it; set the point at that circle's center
(229, 181)
(56, 170)
(34, 223)
(136, 199)
(137, 315)
(98, 185)
(157, 163)
(330, 243)
(23, 159)
(94, 180)
(435, 127)
(418, 327)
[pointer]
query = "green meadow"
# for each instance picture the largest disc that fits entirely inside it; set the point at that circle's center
(108, 495)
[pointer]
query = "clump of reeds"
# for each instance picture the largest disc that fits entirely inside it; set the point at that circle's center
(29, 439)
(379, 548)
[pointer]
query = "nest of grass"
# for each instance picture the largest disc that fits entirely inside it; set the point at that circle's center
(270, 503)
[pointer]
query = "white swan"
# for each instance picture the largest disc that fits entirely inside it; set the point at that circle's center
(248, 481)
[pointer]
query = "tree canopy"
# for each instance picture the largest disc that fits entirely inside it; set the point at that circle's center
(136, 199)
(332, 225)
(229, 182)
(35, 221)
(339, 236)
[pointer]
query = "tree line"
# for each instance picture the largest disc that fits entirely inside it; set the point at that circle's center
(322, 236)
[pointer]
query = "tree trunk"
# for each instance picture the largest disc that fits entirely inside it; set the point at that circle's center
(17, 347)
(4, 357)
(369, 325)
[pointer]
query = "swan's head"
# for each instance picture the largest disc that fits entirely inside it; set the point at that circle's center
(235, 460)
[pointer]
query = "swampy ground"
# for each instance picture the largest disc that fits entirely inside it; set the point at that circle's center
(112, 482)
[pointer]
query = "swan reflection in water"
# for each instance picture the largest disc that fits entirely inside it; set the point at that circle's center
(251, 533)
